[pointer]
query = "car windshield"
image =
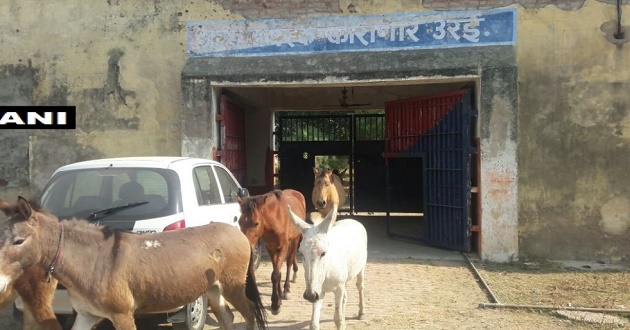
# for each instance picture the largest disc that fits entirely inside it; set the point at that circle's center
(79, 193)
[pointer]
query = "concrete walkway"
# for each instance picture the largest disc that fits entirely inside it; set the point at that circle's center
(381, 246)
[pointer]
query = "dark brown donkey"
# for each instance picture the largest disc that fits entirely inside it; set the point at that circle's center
(266, 216)
(114, 274)
(36, 293)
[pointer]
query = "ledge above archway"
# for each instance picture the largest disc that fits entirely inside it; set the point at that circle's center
(350, 66)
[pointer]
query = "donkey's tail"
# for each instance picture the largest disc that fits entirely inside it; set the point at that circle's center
(252, 293)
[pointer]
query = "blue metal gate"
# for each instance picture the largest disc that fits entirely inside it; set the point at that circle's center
(436, 132)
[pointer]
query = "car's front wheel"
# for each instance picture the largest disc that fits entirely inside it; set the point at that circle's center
(196, 314)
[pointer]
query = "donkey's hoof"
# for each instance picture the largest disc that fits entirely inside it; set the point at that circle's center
(275, 311)
(286, 296)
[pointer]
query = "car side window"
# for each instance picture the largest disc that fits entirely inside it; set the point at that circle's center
(228, 185)
(206, 187)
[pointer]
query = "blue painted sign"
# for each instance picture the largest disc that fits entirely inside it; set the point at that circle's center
(352, 33)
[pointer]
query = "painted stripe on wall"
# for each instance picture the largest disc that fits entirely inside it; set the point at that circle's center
(353, 33)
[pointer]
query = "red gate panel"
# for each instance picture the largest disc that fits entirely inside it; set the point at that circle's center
(231, 151)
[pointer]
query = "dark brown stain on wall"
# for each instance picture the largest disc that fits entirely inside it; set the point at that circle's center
(25, 164)
(486, 4)
(528, 4)
(98, 105)
(259, 9)
(112, 84)
(17, 85)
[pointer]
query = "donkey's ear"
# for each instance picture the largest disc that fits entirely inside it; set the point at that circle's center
(329, 220)
(6, 207)
(24, 208)
(299, 223)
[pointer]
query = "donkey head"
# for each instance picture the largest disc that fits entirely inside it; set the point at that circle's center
(250, 219)
(324, 190)
(315, 249)
(18, 240)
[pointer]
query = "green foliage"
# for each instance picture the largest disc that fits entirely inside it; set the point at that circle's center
(332, 161)
(328, 126)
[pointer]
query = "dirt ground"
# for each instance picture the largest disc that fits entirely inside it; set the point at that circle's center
(439, 294)
(434, 294)
(440, 291)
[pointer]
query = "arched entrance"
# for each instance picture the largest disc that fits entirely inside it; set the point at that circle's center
(264, 84)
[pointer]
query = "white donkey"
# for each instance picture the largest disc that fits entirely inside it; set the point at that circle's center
(334, 253)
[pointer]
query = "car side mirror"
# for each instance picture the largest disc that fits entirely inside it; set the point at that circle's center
(242, 192)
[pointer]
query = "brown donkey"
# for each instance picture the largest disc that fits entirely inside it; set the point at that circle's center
(327, 190)
(36, 293)
(266, 216)
(113, 274)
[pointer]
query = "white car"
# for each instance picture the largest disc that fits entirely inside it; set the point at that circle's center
(145, 195)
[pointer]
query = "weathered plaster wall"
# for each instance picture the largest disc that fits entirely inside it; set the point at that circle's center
(499, 166)
(119, 62)
(574, 134)
(16, 88)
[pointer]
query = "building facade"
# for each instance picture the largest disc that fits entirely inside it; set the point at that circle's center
(552, 97)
